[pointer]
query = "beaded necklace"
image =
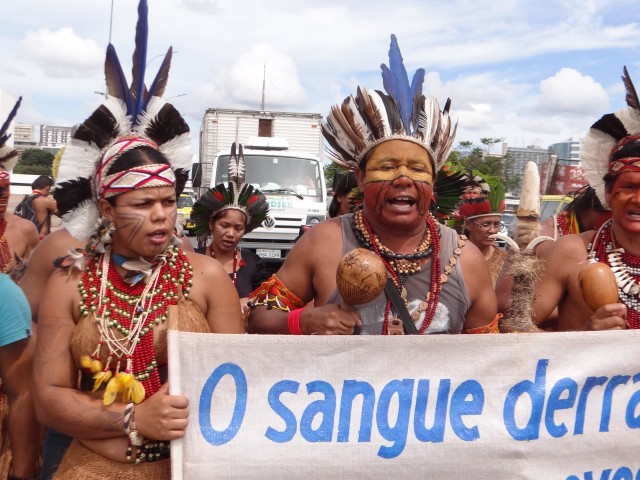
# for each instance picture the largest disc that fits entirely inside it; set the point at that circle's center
(237, 263)
(126, 315)
(430, 304)
(625, 267)
(5, 250)
(403, 264)
(567, 223)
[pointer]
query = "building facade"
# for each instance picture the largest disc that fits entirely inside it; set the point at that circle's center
(52, 136)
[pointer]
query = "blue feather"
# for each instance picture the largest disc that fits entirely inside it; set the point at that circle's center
(5, 126)
(396, 83)
(117, 85)
(139, 60)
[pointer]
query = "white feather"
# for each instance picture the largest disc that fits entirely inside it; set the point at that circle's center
(178, 151)
(594, 159)
(630, 118)
(153, 107)
(80, 159)
(81, 221)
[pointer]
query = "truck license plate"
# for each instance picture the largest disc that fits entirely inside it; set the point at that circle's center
(268, 253)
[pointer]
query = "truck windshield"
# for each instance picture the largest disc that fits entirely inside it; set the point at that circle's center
(278, 175)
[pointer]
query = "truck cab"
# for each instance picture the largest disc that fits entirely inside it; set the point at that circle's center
(294, 185)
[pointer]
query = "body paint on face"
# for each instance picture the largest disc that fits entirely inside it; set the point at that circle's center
(396, 158)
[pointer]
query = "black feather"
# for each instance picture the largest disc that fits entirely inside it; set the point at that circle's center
(632, 96)
(100, 128)
(182, 176)
(166, 125)
(71, 193)
(5, 126)
(611, 125)
(393, 113)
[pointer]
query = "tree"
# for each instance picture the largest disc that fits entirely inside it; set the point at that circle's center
(490, 142)
(469, 158)
(330, 170)
(34, 162)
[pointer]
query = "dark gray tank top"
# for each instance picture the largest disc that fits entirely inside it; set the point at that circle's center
(453, 302)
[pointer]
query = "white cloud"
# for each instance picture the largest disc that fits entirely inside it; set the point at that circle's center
(61, 53)
(240, 85)
(569, 92)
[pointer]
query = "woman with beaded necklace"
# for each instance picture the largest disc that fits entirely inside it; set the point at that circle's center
(226, 213)
(104, 317)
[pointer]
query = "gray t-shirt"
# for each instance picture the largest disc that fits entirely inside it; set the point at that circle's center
(453, 302)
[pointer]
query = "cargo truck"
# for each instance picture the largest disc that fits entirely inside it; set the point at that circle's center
(283, 158)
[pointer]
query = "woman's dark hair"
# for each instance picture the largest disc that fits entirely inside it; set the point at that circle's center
(140, 156)
(346, 183)
(585, 199)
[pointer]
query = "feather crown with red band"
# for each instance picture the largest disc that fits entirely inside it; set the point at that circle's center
(355, 127)
(236, 195)
(612, 144)
(130, 111)
(490, 201)
(8, 155)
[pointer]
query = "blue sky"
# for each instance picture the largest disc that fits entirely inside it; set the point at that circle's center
(531, 72)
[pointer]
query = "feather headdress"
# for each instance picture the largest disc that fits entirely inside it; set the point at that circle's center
(488, 203)
(130, 111)
(355, 127)
(8, 155)
(612, 144)
(236, 195)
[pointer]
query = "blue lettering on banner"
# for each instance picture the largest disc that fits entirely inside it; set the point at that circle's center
(211, 435)
(466, 400)
(563, 396)
(329, 416)
(622, 473)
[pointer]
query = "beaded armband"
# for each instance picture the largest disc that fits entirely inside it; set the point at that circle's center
(273, 294)
(491, 327)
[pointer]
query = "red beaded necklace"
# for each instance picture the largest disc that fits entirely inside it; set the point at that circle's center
(603, 247)
(435, 284)
(5, 251)
(237, 263)
(121, 309)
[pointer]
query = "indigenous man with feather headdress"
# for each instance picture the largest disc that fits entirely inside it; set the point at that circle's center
(396, 143)
(610, 155)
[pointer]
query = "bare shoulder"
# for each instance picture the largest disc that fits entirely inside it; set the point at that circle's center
(20, 224)
(55, 245)
(324, 233)
(470, 256)
(205, 266)
(570, 247)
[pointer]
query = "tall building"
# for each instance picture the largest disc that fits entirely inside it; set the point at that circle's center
(522, 156)
(52, 136)
(23, 137)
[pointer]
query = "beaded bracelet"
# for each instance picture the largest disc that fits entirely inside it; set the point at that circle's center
(135, 438)
(294, 321)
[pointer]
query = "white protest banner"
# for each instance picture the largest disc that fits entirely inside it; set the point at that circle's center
(520, 406)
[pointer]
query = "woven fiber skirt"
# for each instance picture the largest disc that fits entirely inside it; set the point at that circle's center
(80, 463)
